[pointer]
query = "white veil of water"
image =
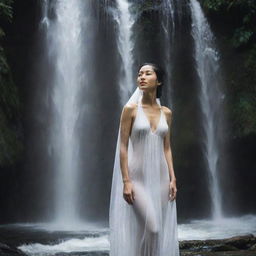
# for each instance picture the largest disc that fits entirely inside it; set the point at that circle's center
(207, 64)
(64, 45)
(45, 6)
(168, 24)
(125, 21)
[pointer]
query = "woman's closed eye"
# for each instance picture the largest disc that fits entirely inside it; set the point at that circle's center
(146, 74)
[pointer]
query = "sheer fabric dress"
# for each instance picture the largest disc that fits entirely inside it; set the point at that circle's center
(149, 226)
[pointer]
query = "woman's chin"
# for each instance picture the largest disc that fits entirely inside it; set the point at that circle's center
(143, 88)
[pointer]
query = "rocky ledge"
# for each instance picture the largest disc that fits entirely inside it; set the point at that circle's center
(6, 250)
(234, 246)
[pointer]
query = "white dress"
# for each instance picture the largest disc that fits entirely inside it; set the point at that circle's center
(149, 226)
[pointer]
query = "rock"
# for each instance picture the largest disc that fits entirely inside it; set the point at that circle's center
(253, 247)
(241, 242)
(234, 246)
(223, 247)
(6, 250)
(230, 253)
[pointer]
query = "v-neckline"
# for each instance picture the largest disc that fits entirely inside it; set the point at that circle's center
(159, 119)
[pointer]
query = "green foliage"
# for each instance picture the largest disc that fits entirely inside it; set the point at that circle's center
(243, 12)
(242, 95)
(240, 19)
(241, 36)
(213, 4)
(6, 9)
(243, 112)
(10, 144)
(9, 95)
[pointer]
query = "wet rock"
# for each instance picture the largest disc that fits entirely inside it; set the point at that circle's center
(241, 242)
(237, 253)
(253, 247)
(224, 247)
(234, 246)
(6, 250)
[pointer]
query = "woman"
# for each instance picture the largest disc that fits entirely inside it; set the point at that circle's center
(143, 218)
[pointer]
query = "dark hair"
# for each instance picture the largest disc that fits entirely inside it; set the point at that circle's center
(160, 76)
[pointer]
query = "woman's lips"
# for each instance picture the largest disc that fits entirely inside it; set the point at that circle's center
(142, 82)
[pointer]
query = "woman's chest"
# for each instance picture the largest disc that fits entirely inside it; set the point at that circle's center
(141, 126)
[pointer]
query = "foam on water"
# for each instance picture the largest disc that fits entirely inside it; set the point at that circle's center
(72, 245)
(217, 229)
(98, 240)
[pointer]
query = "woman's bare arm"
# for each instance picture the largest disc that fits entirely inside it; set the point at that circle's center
(125, 130)
(168, 153)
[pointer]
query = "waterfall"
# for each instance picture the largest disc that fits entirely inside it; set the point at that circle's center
(168, 25)
(45, 19)
(65, 53)
(125, 21)
(208, 69)
(67, 28)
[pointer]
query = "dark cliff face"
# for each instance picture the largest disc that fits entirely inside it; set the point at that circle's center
(19, 46)
(26, 188)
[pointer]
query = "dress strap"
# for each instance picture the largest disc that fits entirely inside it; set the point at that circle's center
(158, 102)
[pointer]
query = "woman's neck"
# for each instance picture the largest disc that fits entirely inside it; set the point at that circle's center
(149, 98)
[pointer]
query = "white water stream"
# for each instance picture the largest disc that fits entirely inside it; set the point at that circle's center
(65, 47)
(208, 69)
(125, 21)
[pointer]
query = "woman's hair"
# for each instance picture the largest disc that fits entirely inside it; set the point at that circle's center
(160, 76)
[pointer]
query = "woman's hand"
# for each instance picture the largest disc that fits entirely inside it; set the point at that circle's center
(128, 192)
(173, 190)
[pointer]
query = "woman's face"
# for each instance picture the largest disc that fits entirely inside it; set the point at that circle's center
(147, 79)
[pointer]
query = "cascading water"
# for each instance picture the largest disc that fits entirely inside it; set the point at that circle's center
(64, 41)
(168, 25)
(179, 9)
(207, 64)
(45, 6)
(125, 21)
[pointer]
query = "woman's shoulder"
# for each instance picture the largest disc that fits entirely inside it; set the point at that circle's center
(167, 111)
(130, 106)
(130, 109)
(168, 114)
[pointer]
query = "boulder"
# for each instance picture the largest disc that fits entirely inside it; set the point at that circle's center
(6, 250)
